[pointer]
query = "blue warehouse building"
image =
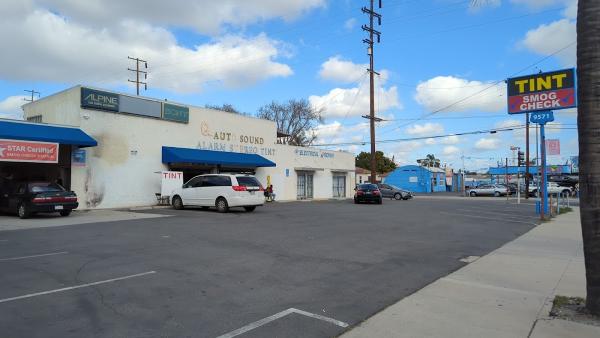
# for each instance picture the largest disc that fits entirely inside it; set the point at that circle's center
(418, 179)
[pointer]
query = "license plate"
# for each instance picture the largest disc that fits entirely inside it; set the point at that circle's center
(58, 207)
(368, 193)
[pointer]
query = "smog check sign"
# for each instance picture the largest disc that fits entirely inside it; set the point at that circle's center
(543, 91)
(28, 151)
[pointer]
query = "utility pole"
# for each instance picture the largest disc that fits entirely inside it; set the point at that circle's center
(527, 156)
(33, 92)
(137, 74)
(370, 42)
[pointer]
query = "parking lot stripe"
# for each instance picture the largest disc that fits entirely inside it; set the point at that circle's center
(32, 256)
(5, 300)
(276, 316)
(490, 218)
(501, 214)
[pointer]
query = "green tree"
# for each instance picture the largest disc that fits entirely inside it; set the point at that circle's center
(384, 164)
(588, 122)
(429, 161)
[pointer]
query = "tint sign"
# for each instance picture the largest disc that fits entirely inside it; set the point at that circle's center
(97, 99)
(543, 91)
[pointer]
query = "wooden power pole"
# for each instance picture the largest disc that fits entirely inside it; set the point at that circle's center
(370, 42)
(137, 74)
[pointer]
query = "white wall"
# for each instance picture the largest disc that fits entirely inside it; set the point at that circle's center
(122, 170)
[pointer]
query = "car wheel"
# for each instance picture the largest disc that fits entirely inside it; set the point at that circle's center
(177, 203)
(65, 213)
(379, 201)
(355, 201)
(397, 196)
(565, 193)
(497, 194)
(535, 193)
(473, 194)
(23, 211)
(222, 205)
(250, 209)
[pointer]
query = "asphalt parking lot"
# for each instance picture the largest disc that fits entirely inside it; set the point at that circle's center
(301, 269)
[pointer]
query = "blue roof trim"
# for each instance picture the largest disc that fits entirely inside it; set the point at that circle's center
(211, 157)
(45, 133)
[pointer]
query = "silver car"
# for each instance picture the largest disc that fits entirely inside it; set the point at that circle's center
(488, 190)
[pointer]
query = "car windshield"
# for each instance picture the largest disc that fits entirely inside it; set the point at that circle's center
(45, 187)
(367, 187)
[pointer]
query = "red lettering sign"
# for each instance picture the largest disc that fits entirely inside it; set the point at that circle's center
(549, 100)
(28, 151)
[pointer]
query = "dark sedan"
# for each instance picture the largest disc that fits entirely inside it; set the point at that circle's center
(367, 193)
(390, 191)
(29, 198)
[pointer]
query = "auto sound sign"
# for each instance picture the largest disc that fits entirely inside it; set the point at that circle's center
(543, 91)
(28, 151)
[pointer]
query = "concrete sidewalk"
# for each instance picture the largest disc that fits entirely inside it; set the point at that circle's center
(507, 293)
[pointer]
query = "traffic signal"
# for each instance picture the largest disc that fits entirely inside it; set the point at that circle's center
(521, 158)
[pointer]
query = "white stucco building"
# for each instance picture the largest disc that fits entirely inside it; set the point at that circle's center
(138, 138)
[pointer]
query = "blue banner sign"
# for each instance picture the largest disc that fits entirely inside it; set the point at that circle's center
(542, 117)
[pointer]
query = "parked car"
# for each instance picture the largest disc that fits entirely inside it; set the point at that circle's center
(489, 190)
(390, 191)
(368, 193)
(222, 191)
(553, 189)
(28, 198)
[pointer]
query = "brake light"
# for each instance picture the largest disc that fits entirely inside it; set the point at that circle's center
(261, 188)
(375, 192)
(239, 187)
(360, 192)
(54, 199)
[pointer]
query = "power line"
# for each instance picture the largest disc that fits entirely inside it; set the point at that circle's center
(137, 74)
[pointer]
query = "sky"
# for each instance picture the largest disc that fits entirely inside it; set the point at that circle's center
(442, 63)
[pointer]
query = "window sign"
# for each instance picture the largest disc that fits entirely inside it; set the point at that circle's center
(78, 158)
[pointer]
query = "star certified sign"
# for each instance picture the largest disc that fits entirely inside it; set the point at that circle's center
(543, 91)
(28, 151)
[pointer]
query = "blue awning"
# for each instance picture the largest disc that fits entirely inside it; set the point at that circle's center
(211, 157)
(16, 130)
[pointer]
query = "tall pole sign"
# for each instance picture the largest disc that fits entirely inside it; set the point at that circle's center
(539, 94)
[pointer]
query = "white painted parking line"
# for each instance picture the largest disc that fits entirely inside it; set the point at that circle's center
(5, 300)
(276, 316)
(490, 218)
(32, 256)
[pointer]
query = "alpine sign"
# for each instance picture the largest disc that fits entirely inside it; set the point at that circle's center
(543, 91)
(28, 151)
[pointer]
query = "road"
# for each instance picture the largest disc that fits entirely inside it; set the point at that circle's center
(204, 274)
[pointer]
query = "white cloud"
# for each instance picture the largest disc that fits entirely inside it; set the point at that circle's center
(441, 91)
(10, 107)
(430, 141)
(349, 24)
(546, 39)
(510, 123)
(204, 16)
(61, 50)
(335, 132)
(425, 129)
(402, 151)
(454, 139)
(450, 151)
(339, 70)
(341, 102)
(487, 144)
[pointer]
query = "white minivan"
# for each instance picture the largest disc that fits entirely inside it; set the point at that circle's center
(222, 191)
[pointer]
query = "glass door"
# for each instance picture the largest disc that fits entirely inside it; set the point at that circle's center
(339, 186)
(304, 186)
